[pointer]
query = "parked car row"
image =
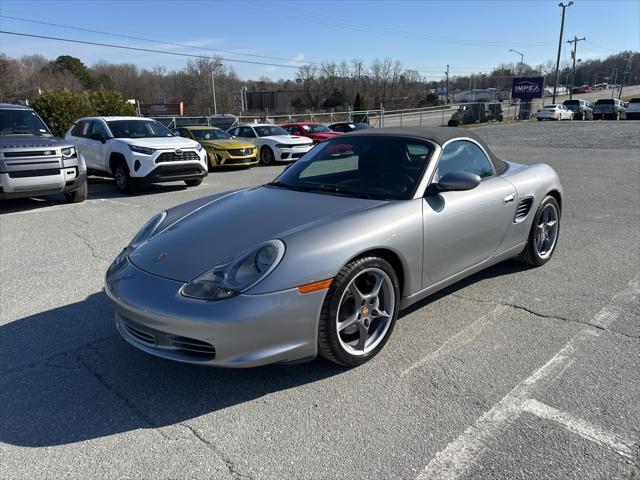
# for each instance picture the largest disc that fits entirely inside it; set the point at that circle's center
(579, 109)
(136, 150)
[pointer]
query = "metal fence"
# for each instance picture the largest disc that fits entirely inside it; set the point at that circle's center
(472, 112)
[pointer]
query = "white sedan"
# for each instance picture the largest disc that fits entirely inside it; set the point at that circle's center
(274, 143)
(554, 111)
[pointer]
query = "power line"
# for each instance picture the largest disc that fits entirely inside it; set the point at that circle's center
(376, 29)
(147, 50)
(132, 37)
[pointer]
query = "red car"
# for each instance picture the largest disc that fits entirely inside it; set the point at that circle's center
(583, 89)
(315, 131)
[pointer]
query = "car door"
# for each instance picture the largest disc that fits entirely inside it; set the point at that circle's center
(95, 149)
(464, 228)
(249, 134)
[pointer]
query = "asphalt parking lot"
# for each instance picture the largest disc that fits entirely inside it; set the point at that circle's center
(514, 373)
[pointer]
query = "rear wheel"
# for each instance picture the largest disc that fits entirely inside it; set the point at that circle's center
(266, 156)
(543, 235)
(79, 195)
(359, 312)
(123, 179)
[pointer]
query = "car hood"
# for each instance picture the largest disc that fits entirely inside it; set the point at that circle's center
(31, 141)
(290, 139)
(160, 143)
(232, 223)
(229, 144)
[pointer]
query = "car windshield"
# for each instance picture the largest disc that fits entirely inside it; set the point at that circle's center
(634, 100)
(138, 129)
(549, 106)
(21, 122)
(269, 130)
(572, 102)
(367, 167)
(316, 128)
(210, 134)
(361, 126)
(605, 102)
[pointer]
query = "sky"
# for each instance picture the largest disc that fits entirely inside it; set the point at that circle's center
(470, 36)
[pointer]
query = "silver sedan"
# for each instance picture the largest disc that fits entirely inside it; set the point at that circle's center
(321, 260)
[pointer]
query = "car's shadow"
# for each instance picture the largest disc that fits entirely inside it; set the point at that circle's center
(66, 376)
(99, 188)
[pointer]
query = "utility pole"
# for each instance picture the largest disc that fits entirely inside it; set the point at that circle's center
(555, 82)
(573, 56)
(626, 71)
(447, 74)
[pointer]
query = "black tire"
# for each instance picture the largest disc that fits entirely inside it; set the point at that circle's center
(530, 255)
(266, 156)
(79, 195)
(329, 345)
(123, 179)
(193, 183)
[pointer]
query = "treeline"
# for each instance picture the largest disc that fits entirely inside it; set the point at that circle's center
(330, 85)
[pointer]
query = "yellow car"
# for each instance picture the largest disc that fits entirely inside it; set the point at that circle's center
(222, 150)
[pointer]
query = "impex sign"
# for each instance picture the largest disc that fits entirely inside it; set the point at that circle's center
(527, 88)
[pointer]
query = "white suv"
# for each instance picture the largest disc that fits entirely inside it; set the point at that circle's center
(137, 150)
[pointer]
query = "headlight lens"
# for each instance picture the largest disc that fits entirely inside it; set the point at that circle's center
(147, 231)
(142, 150)
(283, 145)
(240, 274)
(69, 152)
(199, 147)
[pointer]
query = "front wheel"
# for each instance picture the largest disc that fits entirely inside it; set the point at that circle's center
(79, 195)
(194, 182)
(359, 312)
(543, 235)
(266, 156)
(124, 182)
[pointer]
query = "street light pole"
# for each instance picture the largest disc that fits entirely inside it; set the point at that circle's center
(521, 59)
(447, 74)
(555, 82)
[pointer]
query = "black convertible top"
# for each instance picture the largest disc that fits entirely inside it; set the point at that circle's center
(438, 135)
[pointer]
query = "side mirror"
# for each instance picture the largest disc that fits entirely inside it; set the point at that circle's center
(458, 181)
(98, 137)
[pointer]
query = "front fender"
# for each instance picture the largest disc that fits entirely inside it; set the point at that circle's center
(320, 252)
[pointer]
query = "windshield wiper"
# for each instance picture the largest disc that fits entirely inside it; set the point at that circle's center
(341, 191)
(288, 186)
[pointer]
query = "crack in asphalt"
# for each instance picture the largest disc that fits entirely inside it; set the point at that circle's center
(543, 315)
(46, 361)
(86, 242)
(231, 466)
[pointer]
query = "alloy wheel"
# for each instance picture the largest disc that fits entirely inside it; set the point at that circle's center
(547, 231)
(365, 311)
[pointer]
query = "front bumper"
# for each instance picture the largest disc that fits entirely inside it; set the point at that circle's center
(67, 179)
(224, 158)
(243, 331)
(291, 154)
(173, 173)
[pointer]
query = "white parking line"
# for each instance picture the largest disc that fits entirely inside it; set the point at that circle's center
(461, 454)
(460, 339)
(581, 427)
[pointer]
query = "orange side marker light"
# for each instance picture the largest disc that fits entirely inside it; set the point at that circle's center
(315, 286)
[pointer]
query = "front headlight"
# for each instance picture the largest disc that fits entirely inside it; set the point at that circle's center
(198, 147)
(69, 152)
(233, 278)
(283, 145)
(147, 231)
(142, 150)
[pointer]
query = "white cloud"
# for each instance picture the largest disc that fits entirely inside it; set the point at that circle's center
(297, 60)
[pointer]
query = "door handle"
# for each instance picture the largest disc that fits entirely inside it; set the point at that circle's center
(509, 198)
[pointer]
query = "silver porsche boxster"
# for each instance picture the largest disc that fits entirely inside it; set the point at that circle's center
(321, 260)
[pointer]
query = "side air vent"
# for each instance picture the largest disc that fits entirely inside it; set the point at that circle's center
(523, 209)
